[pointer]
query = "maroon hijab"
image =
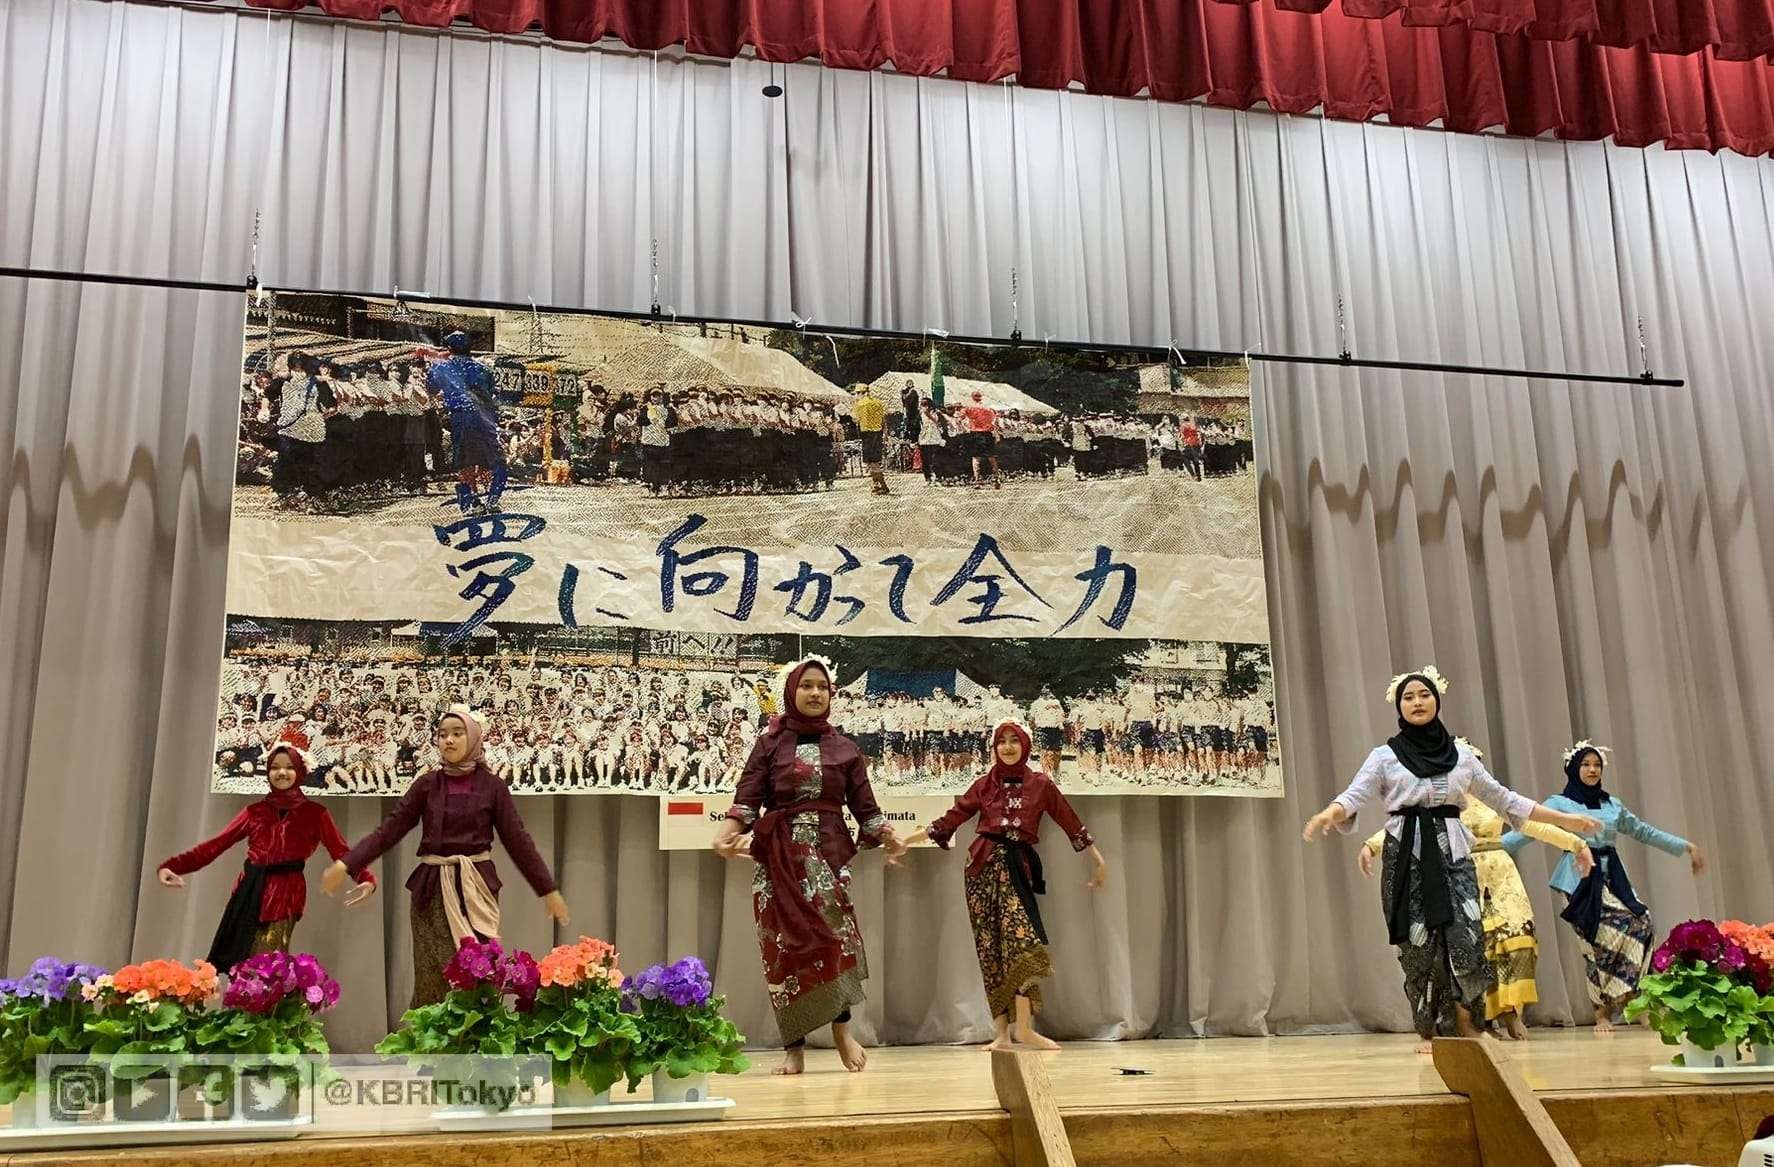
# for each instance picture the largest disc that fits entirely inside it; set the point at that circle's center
(999, 771)
(295, 795)
(791, 718)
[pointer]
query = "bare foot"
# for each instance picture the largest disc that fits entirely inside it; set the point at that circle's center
(854, 1057)
(1002, 1041)
(1027, 1036)
(1517, 1029)
(1604, 1027)
(794, 1061)
(1426, 1046)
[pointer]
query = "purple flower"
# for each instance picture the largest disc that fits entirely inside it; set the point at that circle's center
(520, 976)
(475, 963)
(313, 995)
(1732, 958)
(50, 979)
(684, 983)
(1662, 959)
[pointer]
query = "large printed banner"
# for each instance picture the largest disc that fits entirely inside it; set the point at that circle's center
(607, 533)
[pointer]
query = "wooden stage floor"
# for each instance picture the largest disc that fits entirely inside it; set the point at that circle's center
(1330, 1101)
(1086, 1075)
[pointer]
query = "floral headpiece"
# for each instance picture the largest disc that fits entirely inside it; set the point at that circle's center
(1462, 743)
(1601, 751)
(464, 711)
(831, 670)
(1430, 671)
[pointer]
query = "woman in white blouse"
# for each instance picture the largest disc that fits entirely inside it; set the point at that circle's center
(1423, 777)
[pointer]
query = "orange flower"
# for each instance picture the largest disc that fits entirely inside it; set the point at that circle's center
(1758, 940)
(166, 979)
(571, 964)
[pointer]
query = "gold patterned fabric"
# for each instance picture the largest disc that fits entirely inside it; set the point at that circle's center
(433, 949)
(273, 937)
(1012, 958)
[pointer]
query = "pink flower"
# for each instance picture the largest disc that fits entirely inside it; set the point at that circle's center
(1696, 940)
(1662, 959)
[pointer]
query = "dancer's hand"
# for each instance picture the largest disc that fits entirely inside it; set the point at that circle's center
(1324, 821)
(170, 878)
(1364, 859)
(360, 893)
(556, 906)
(1585, 861)
(1578, 824)
(333, 878)
(1099, 876)
(1696, 860)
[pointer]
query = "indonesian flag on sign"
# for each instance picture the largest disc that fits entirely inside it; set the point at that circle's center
(691, 808)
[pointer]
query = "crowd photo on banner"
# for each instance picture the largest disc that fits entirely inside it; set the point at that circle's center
(622, 711)
(604, 533)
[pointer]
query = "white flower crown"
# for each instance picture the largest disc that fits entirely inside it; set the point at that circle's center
(1601, 751)
(1435, 678)
(464, 711)
(831, 670)
(292, 747)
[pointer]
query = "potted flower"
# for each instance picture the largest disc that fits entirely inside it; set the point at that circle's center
(145, 1016)
(1704, 993)
(578, 1022)
(268, 1022)
(683, 1036)
(474, 1031)
(1758, 941)
(42, 1013)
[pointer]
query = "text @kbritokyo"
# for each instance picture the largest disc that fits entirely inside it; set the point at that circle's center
(338, 1093)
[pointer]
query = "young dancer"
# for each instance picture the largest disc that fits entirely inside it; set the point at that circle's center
(1004, 876)
(800, 776)
(1510, 944)
(459, 807)
(1428, 884)
(1613, 927)
(281, 831)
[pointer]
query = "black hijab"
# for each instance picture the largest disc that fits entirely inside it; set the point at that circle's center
(1424, 750)
(1576, 789)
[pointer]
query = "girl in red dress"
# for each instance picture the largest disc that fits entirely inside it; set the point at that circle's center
(1004, 877)
(281, 831)
(801, 775)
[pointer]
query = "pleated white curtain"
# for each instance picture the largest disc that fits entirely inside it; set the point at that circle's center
(1578, 559)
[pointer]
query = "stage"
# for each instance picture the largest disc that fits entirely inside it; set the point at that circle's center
(1369, 1100)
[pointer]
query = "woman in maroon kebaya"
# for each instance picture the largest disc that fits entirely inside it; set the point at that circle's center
(281, 830)
(1004, 877)
(800, 777)
(459, 807)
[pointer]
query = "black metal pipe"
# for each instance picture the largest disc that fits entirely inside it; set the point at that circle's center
(1343, 361)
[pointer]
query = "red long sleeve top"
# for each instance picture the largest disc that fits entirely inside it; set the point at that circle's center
(272, 837)
(1011, 809)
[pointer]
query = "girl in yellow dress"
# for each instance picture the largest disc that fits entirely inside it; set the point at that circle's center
(1510, 945)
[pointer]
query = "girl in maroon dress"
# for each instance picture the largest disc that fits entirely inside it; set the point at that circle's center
(1004, 877)
(801, 775)
(455, 887)
(281, 830)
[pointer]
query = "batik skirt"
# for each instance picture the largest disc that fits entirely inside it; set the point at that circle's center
(1620, 954)
(807, 994)
(1510, 944)
(1445, 966)
(1012, 957)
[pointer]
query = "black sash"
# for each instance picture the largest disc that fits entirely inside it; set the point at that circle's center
(240, 919)
(1025, 877)
(1584, 912)
(1438, 900)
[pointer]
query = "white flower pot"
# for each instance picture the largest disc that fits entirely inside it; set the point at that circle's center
(1693, 1057)
(1764, 1054)
(575, 1094)
(669, 1089)
(24, 1112)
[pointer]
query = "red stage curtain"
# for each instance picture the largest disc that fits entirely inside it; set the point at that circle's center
(1694, 74)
